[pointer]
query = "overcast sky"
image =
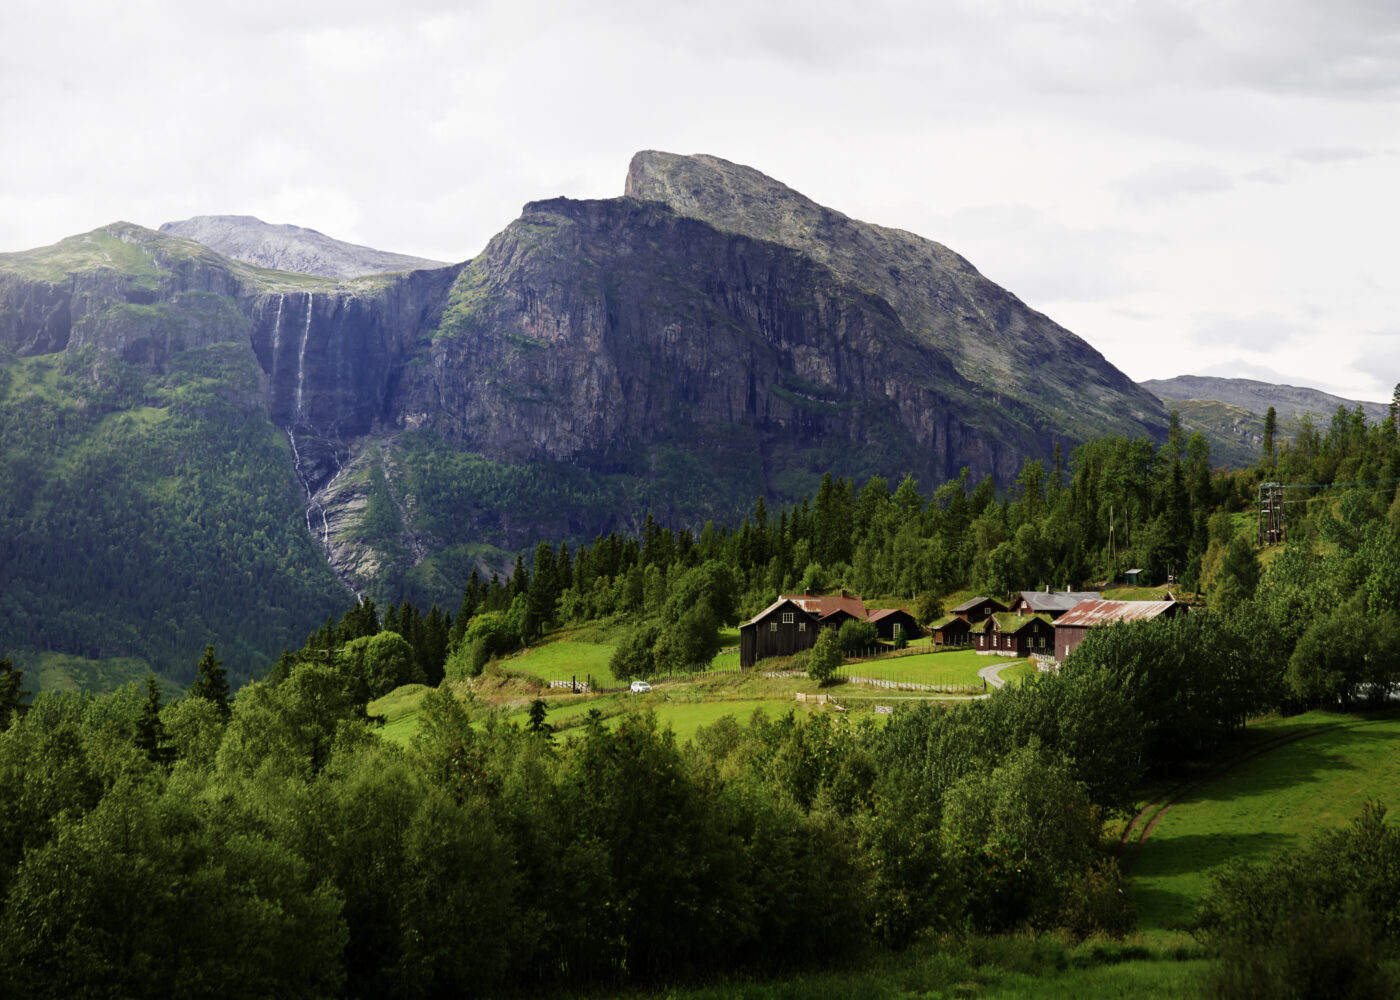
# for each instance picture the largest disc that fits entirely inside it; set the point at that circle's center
(1193, 187)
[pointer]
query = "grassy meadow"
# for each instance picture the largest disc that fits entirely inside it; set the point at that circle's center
(1277, 800)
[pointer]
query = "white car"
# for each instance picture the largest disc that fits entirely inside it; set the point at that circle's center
(640, 687)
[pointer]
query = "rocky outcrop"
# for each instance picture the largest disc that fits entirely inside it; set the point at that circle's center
(291, 248)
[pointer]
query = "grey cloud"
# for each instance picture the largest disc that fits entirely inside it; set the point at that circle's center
(1167, 181)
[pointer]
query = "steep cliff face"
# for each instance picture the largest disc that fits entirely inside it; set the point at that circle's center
(122, 289)
(590, 330)
(1058, 382)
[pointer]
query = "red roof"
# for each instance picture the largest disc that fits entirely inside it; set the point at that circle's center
(1090, 613)
(822, 605)
(876, 616)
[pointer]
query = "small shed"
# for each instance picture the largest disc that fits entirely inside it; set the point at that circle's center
(1135, 578)
(781, 629)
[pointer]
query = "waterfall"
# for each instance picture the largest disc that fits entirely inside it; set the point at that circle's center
(301, 477)
(277, 334)
(301, 358)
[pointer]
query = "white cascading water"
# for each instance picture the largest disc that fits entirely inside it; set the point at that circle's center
(277, 334)
(301, 358)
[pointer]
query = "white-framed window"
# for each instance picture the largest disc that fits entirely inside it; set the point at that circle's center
(898, 628)
(787, 617)
(772, 626)
(987, 610)
(802, 626)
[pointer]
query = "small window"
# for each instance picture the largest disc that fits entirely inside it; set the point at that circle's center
(802, 626)
(898, 628)
(787, 617)
(772, 626)
(987, 610)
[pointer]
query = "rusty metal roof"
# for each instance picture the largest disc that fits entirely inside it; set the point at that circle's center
(822, 605)
(1091, 613)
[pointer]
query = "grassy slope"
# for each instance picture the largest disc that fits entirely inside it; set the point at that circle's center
(1275, 801)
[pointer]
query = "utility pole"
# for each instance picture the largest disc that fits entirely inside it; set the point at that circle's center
(1271, 526)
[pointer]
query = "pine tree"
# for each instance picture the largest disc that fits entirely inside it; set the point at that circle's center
(1270, 429)
(211, 682)
(11, 695)
(150, 731)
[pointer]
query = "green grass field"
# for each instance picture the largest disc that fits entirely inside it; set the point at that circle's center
(1021, 671)
(400, 710)
(957, 667)
(566, 659)
(1275, 801)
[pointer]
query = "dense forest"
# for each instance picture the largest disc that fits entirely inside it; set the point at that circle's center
(271, 843)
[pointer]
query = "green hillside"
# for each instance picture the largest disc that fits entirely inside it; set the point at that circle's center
(148, 515)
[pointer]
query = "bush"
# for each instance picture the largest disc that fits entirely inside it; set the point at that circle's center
(857, 636)
(824, 659)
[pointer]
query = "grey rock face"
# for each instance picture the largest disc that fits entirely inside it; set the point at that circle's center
(291, 248)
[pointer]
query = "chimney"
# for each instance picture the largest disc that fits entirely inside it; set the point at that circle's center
(1047, 588)
(843, 592)
(806, 593)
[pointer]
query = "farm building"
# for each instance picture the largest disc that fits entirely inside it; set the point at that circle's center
(952, 630)
(1073, 626)
(978, 608)
(830, 609)
(893, 622)
(781, 629)
(1051, 602)
(1009, 634)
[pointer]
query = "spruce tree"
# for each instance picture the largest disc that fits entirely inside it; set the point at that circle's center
(150, 731)
(211, 683)
(11, 695)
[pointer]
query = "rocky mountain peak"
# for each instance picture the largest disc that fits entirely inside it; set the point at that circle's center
(292, 248)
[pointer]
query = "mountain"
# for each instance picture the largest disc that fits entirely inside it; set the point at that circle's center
(232, 450)
(1288, 401)
(1025, 362)
(291, 248)
(1230, 411)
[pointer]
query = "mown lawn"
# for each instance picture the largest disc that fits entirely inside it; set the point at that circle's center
(957, 667)
(1276, 801)
(566, 659)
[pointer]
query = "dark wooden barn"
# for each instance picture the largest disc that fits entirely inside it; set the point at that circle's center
(953, 630)
(892, 622)
(781, 629)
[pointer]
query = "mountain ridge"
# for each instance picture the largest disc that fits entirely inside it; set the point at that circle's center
(285, 247)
